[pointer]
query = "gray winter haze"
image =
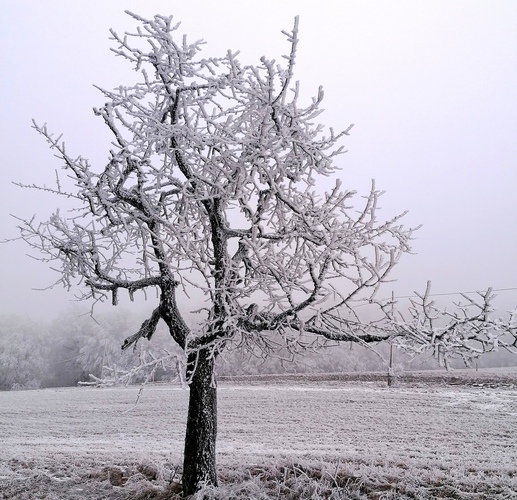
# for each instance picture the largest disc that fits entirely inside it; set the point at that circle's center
(430, 86)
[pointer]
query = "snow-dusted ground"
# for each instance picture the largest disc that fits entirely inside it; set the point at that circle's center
(459, 437)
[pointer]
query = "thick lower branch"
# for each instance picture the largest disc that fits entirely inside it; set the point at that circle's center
(170, 313)
(113, 285)
(346, 332)
(146, 330)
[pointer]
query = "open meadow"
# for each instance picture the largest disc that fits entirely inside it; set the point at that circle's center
(278, 438)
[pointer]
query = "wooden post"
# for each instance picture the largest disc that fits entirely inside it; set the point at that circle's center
(392, 377)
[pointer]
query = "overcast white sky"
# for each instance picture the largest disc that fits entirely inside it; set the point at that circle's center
(431, 87)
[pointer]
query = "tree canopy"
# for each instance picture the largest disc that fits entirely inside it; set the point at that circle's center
(212, 184)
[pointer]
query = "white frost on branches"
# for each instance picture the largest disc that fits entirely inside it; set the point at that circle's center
(213, 184)
(465, 332)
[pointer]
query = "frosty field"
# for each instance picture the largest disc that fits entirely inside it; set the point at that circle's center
(415, 441)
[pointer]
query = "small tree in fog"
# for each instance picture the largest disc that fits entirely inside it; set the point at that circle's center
(24, 354)
(211, 192)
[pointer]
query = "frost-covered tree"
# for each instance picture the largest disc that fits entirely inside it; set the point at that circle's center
(211, 192)
(24, 351)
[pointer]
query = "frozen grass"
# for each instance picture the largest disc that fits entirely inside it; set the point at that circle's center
(285, 439)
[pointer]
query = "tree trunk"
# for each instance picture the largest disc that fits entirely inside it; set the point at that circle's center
(199, 456)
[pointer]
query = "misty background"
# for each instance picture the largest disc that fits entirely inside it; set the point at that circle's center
(430, 86)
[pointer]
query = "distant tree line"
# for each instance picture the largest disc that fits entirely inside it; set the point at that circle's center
(73, 349)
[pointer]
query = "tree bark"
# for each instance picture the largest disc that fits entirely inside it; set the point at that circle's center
(199, 465)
